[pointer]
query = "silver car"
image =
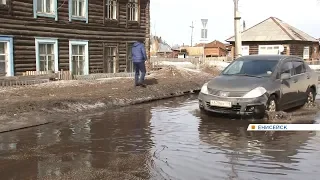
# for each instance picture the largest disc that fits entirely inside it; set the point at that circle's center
(252, 85)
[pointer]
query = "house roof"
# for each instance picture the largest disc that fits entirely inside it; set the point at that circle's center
(164, 47)
(213, 44)
(274, 29)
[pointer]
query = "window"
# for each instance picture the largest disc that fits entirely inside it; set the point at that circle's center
(111, 9)
(299, 67)
(110, 63)
(3, 2)
(245, 50)
(3, 58)
(6, 56)
(45, 8)
(251, 67)
(306, 52)
(287, 68)
(129, 65)
(78, 10)
(78, 57)
(47, 55)
(133, 9)
(269, 49)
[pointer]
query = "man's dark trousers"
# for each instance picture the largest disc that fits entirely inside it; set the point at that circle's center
(140, 70)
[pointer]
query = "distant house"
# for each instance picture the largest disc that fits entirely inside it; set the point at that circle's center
(214, 49)
(273, 36)
(159, 48)
(230, 50)
(191, 52)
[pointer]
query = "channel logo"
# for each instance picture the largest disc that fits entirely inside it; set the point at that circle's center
(283, 127)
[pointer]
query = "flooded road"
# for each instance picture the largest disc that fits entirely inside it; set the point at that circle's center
(167, 139)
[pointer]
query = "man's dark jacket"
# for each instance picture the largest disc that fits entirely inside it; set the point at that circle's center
(138, 52)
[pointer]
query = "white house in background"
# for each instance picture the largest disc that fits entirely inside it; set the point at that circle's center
(274, 36)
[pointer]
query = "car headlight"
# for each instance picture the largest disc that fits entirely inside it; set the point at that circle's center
(204, 89)
(256, 92)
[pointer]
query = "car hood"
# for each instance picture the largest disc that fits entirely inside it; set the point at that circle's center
(236, 83)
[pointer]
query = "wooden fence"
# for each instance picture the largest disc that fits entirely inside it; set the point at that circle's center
(224, 58)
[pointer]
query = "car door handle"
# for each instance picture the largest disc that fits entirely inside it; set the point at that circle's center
(295, 80)
(308, 76)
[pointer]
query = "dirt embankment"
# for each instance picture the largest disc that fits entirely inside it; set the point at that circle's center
(81, 95)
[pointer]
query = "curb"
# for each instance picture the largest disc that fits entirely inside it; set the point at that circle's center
(44, 121)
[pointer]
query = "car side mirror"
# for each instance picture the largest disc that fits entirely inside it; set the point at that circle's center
(285, 76)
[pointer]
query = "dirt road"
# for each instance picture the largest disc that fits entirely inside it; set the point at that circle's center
(80, 95)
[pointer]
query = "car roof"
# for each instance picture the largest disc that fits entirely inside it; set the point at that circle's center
(266, 57)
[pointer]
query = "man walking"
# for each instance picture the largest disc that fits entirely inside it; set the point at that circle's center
(138, 58)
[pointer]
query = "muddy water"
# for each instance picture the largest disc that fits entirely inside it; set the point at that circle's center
(163, 140)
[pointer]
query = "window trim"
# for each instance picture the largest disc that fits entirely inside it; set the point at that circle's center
(306, 56)
(245, 46)
(53, 41)
(39, 14)
(266, 47)
(139, 12)
(85, 18)
(9, 41)
(6, 6)
(86, 53)
(117, 13)
(115, 45)
(127, 56)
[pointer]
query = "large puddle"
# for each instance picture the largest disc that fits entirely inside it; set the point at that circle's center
(167, 139)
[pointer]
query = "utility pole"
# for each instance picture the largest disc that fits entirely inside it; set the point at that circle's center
(237, 30)
(191, 32)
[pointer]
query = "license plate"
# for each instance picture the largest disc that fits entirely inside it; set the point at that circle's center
(220, 103)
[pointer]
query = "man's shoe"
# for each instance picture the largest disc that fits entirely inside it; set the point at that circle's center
(143, 85)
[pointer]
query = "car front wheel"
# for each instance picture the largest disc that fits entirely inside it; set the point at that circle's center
(272, 104)
(311, 95)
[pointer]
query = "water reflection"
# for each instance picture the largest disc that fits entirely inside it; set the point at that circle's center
(167, 139)
(113, 144)
(233, 135)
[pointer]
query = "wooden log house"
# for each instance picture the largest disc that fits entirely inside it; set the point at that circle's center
(83, 36)
(274, 36)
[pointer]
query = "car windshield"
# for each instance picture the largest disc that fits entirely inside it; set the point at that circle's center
(256, 68)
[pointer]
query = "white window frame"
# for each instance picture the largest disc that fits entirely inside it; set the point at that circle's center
(9, 53)
(108, 5)
(268, 46)
(3, 2)
(86, 60)
(242, 47)
(53, 14)
(133, 15)
(54, 41)
(114, 57)
(79, 18)
(306, 52)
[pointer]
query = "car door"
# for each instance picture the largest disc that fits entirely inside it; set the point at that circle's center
(301, 77)
(287, 87)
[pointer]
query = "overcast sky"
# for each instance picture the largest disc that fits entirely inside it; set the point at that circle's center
(171, 19)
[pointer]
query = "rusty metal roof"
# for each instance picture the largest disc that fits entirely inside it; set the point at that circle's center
(274, 29)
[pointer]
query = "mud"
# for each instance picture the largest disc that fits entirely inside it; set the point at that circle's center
(78, 96)
(304, 114)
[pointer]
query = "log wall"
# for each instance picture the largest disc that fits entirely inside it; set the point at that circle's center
(17, 20)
